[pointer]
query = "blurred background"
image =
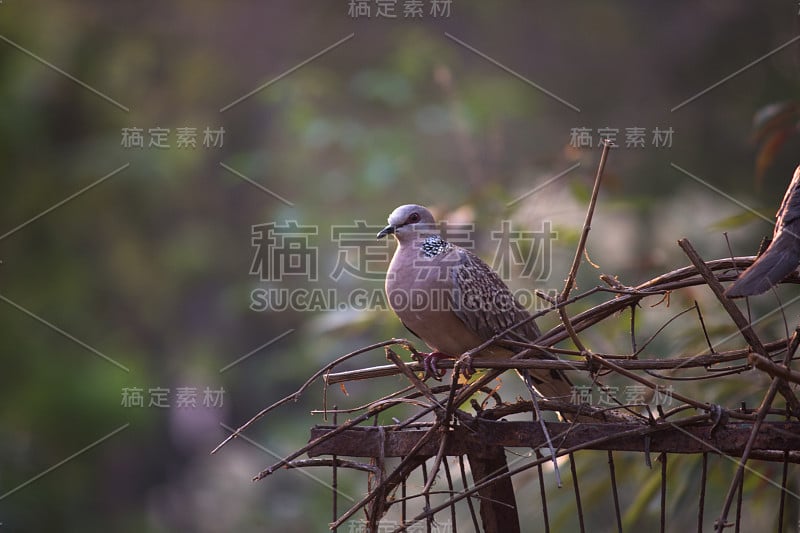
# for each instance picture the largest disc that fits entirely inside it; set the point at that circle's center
(151, 150)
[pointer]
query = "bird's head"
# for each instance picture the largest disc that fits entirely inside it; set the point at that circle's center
(408, 222)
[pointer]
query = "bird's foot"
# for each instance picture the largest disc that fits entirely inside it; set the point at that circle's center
(428, 361)
(465, 362)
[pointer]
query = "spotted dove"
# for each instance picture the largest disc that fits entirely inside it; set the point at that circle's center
(452, 300)
(782, 255)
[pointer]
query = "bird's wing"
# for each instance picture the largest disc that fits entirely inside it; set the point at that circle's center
(486, 305)
(783, 254)
(790, 206)
(780, 260)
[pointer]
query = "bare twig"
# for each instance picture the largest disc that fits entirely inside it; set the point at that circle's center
(350, 423)
(738, 318)
(296, 395)
(437, 462)
(538, 417)
(587, 225)
(650, 384)
(623, 361)
(420, 386)
(334, 461)
(762, 413)
(703, 325)
(579, 252)
(779, 371)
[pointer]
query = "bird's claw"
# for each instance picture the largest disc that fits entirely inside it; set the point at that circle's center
(465, 362)
(428, 361)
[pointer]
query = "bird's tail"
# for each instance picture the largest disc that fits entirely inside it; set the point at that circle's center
(780, 260)
(555, 385)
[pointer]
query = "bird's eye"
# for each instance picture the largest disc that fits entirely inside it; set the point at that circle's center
(413, 218)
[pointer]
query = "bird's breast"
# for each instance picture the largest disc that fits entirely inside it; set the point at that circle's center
(421, 292)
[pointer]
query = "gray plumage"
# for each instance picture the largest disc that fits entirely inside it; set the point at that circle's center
(453, 300)
(782, 256)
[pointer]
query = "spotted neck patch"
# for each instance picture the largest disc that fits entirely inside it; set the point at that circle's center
(435, 245)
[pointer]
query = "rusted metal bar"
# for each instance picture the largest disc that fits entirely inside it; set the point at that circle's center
(702, 503)
(772, 439)
(615, 493)
(545, 513)
(576, 488)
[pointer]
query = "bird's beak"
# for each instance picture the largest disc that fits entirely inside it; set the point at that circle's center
(388, 230)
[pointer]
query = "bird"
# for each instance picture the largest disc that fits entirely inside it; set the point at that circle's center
(452, 300)
(782, 256)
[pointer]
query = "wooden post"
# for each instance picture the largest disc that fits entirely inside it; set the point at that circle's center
(498, 502)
